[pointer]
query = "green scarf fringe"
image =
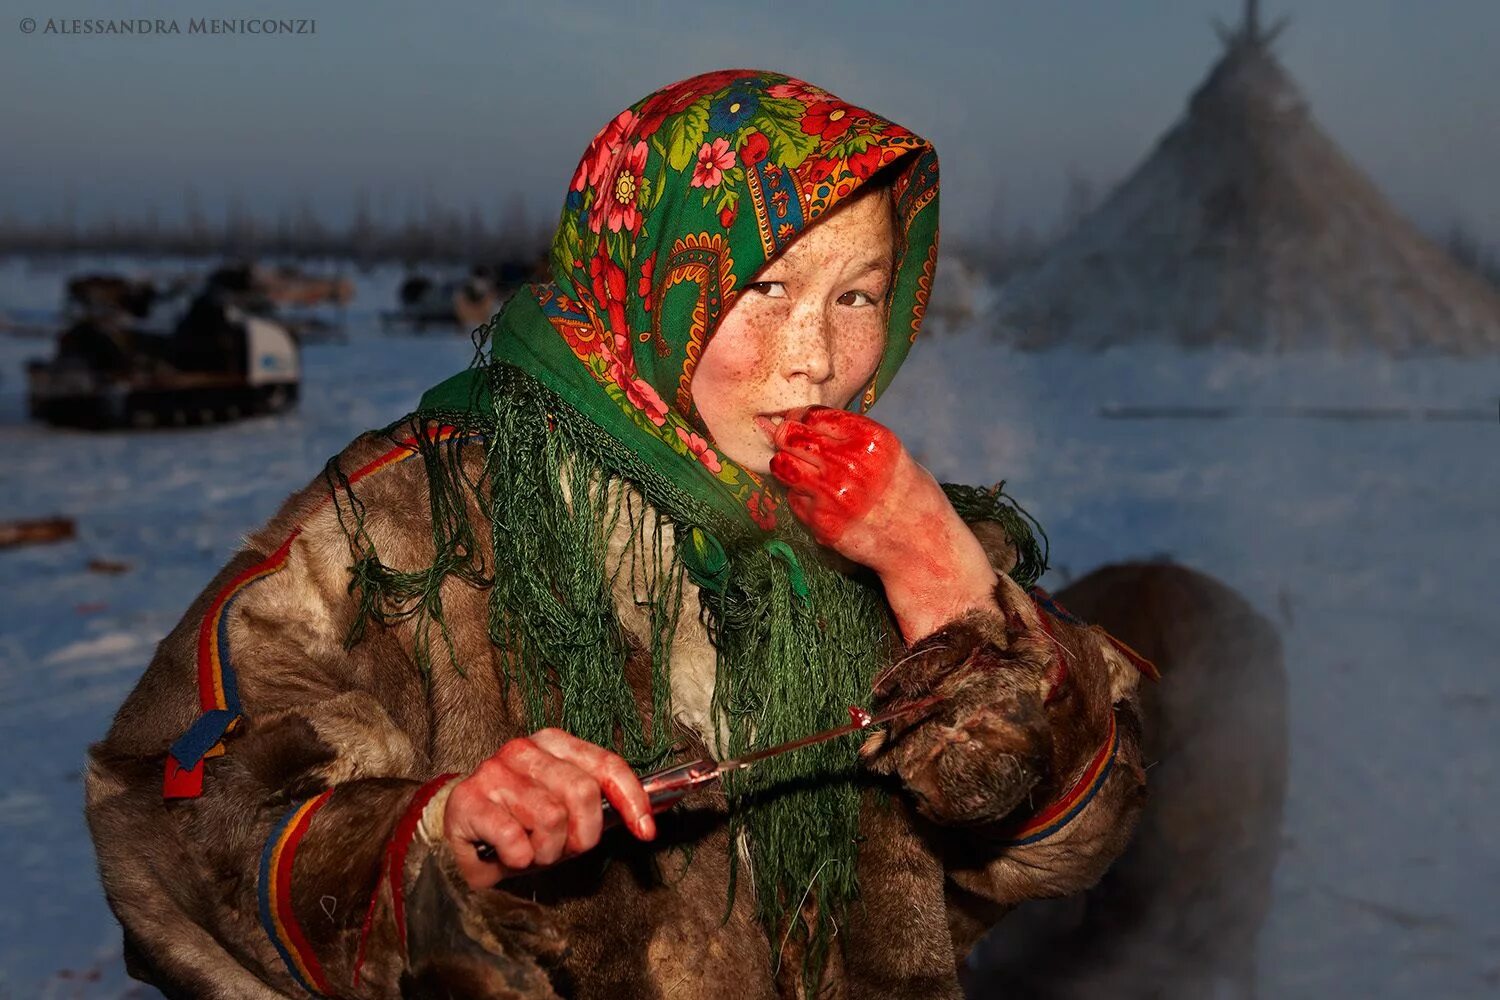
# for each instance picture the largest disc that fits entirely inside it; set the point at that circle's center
(992, 503)
(798, 640)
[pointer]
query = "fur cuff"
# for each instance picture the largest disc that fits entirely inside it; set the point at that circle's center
(460, 942)
(465, 943)
(979, 752)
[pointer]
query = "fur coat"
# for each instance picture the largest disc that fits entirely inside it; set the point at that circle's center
(311, 859)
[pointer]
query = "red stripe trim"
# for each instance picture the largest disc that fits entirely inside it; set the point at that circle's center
(211, 657)
(1062, 811)
(208, 629)
(364, 930)
(395, 861)
(405, 449)
(1142, 664)
(209, 684)
(287, 917)
(400, 844)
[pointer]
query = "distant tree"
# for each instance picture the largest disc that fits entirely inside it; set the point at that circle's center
(429, 232)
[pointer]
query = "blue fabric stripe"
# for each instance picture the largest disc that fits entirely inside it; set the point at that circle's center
(221, 636)
(1068, 816)
(267, 921)
(1054, 608)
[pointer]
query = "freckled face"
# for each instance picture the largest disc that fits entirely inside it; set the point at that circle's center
(808, 330)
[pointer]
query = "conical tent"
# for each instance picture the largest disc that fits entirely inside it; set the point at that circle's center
(1248, 226)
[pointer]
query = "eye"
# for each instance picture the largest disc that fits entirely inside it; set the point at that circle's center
(859, 298)
(770, 289)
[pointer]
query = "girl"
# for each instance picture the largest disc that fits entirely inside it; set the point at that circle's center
(654, 525)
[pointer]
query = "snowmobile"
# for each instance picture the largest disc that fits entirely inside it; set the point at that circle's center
(220, 363)
(311, 308)
(463, 303)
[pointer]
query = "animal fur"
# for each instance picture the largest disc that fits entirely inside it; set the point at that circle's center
(638, 920)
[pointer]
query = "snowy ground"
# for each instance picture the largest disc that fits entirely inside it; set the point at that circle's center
(1382, 535)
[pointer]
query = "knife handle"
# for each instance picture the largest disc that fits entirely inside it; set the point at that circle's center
(664, 789)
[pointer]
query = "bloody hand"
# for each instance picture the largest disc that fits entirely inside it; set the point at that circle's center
(852, 482)
(835, 465)
(859, 491)
(536, 801)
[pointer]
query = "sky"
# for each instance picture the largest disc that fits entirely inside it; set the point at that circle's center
(487, 104)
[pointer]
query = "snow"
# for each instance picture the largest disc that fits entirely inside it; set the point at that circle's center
(1381, 534)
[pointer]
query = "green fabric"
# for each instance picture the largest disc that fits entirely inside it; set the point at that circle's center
(676, 204)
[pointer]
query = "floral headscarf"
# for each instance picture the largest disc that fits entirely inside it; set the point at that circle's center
(675, 205)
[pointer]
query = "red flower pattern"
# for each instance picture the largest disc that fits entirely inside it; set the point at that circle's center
(713, 159)
(754, 149)
(608, 282)
(643, 285)
(700, 449)
(596, 159)
(617, 205)
(828, 119)
(866, 162)
(818, 169)
(680, 96)
(639, 393)
(763, 511)
(799, 91)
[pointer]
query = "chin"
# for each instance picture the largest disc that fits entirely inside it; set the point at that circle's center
(761, 465)
(755, 456)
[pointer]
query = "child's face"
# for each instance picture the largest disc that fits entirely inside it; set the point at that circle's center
(810, 329)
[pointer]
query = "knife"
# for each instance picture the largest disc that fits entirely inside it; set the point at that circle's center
(665, 788)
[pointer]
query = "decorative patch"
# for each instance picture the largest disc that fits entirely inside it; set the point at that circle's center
(703, 260)
(924, 292)
(779, 212)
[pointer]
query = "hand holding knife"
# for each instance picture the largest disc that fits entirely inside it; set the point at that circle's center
(667, 787)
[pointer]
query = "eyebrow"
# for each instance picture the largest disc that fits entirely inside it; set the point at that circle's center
(877, 264)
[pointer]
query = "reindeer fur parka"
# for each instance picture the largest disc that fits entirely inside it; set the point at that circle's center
(311, 859)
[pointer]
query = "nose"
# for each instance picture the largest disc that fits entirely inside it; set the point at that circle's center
(807, 345)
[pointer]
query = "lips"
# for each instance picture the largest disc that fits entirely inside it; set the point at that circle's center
(770, 423)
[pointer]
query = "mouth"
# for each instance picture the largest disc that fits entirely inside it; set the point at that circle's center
(770, 423)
